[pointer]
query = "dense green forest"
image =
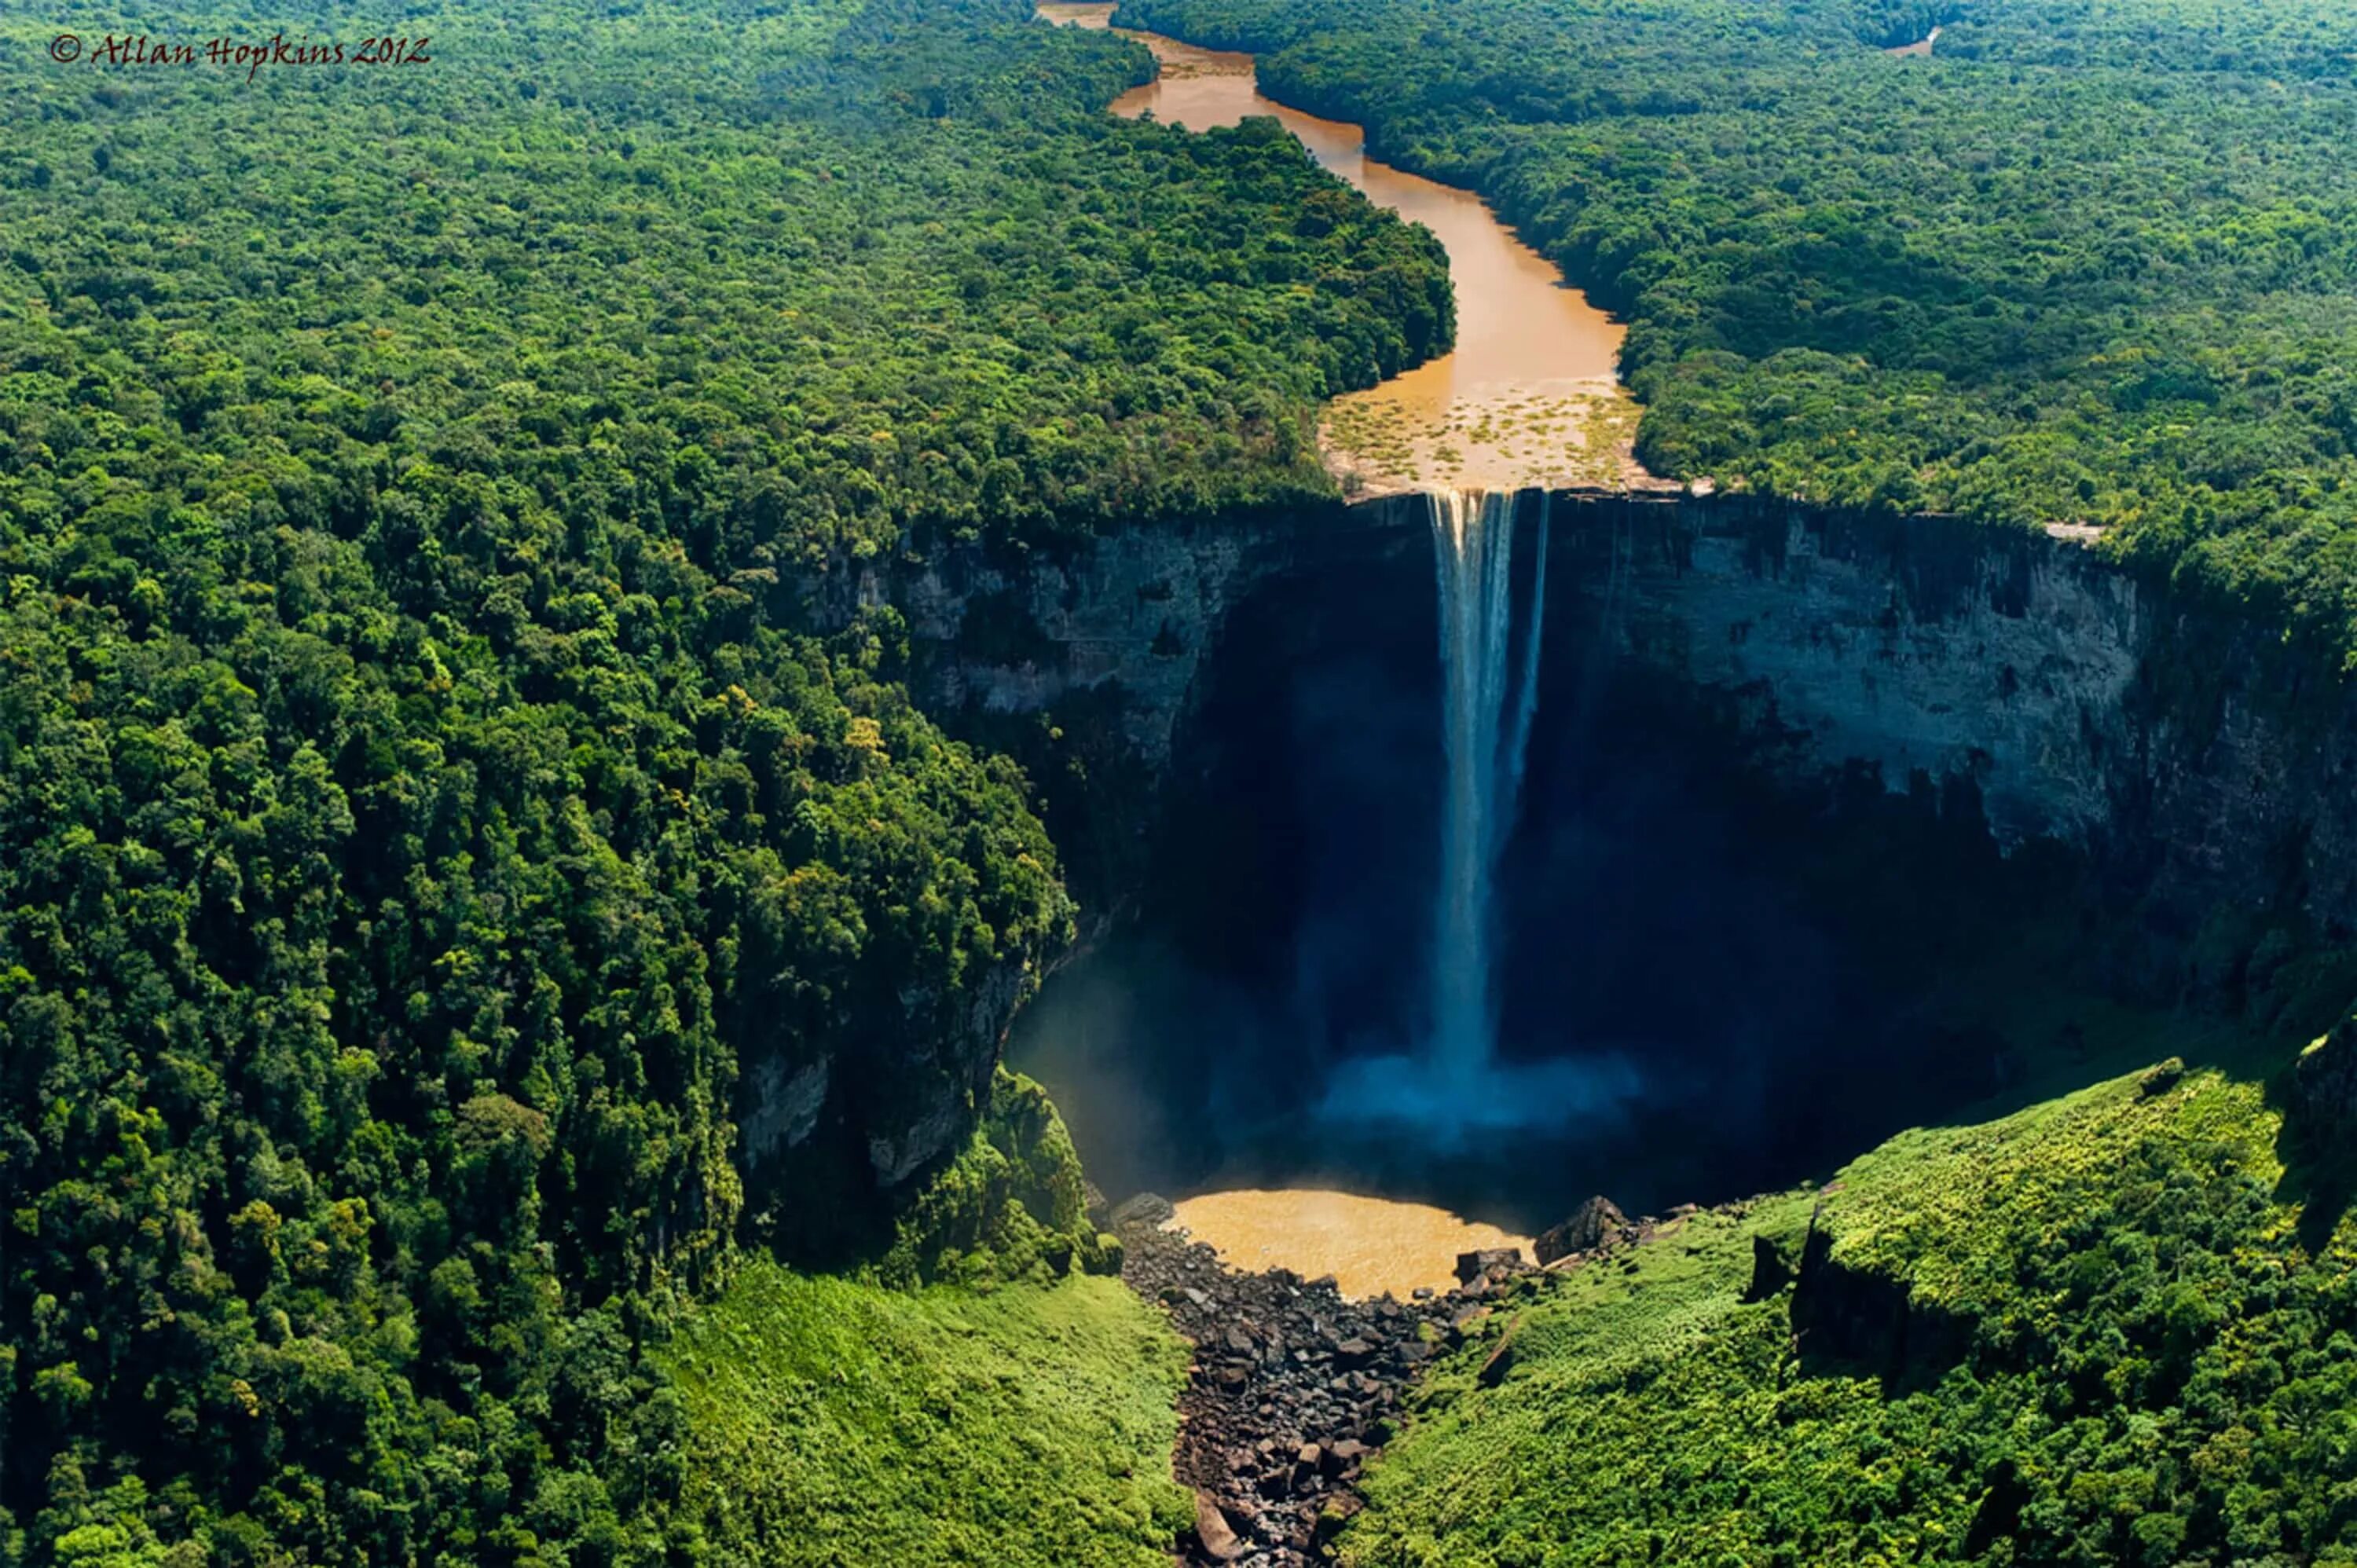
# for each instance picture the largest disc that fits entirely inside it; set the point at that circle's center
(426, 789)
(2091, 261)
(451, 780)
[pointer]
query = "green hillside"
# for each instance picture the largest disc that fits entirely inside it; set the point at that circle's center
(2087, 1333)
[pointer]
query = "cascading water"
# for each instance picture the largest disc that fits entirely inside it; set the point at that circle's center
(1473, 542)
(1455, 1085)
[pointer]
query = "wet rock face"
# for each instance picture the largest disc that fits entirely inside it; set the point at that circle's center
(2193, 752)
(1294, 1388)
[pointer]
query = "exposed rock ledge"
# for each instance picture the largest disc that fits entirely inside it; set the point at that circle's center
(2192, 753)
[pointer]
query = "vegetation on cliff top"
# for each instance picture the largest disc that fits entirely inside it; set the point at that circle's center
(2117, 1349)
(426, 792)
(980, 1392)
(2087, 263)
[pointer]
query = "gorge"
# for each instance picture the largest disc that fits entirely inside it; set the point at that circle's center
(1256, 698)
(937, 790)
(2014, 688)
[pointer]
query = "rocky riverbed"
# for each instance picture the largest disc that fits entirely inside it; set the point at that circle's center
(1295, 1386)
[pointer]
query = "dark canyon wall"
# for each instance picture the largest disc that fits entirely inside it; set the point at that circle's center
(2187, 749)
(2201, 764)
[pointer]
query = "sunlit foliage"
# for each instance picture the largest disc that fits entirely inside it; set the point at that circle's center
(440, 752)
(2090, 261)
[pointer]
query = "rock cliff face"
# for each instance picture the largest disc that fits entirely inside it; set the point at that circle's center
(1132, 613)
(834, 1141)
(1914, 645)
(2203, 766)
(2200, 761)
(2190, 753)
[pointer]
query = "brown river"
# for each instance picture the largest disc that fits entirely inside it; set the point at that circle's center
(1530, 396)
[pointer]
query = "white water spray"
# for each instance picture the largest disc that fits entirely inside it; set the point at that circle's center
(1473, 540)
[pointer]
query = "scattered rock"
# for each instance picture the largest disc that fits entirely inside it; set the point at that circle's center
(1294, 1388)
(2163, 1078)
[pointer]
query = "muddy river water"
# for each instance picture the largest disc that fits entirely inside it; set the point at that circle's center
(1369, 1245)
(1529, 395)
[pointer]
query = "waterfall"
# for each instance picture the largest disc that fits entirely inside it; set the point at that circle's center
(1473, 540)
(1455, 1088)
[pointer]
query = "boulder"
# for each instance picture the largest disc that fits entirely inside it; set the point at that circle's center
(1591, 1225)
(1146, 1208)
(1218, 1537)
(1471, 1266)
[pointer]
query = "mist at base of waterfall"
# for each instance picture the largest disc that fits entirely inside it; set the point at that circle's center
(1444, 1106)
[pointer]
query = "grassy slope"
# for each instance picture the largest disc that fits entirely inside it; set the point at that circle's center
(2159, 1372)
(840, 1422)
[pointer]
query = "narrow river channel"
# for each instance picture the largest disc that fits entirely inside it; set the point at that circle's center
(1531, 395)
